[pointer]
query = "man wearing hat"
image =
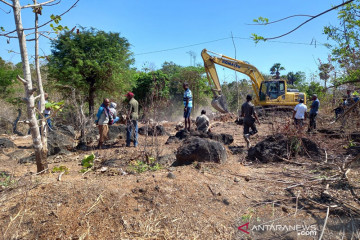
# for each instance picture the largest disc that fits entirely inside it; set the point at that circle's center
(132, 119)
(249, 114)
(314, 108)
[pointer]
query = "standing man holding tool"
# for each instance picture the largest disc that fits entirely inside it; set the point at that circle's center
(249, 114)
(132, 119)
(187, 105)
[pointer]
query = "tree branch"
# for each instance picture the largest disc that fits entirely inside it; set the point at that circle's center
(10, 5)
(38, 5)
(44, 24)
(21, 79)
(282, 19)
(309, 20)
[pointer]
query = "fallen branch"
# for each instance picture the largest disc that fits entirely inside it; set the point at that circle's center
(327, 215)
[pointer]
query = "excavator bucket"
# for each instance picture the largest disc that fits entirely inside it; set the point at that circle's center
(219, 103)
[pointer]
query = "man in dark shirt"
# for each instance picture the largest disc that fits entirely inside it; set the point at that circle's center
(249, 114)
(314, 108)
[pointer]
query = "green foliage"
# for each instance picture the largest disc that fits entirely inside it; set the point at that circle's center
(295, 78)
(2, 29)
(312, 88)
(6, 180)
(57, 169)
(54, 105)
(87, 162)
(139, 166)
(346, 36)
(235, 93)
(276, 68)
(152, 87)
(261, 20)
(93, 62)
(8, 83)
(257, 38)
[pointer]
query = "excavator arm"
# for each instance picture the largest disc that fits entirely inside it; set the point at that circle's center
(219, 102)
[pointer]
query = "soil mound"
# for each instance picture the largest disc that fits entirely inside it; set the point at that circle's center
(197, 149)
(279, 146)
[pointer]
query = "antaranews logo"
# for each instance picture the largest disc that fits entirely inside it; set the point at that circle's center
(300, 229)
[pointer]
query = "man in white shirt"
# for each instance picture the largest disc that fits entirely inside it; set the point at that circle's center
(299, 114)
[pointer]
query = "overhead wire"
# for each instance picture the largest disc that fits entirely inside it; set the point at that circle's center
(221, 39)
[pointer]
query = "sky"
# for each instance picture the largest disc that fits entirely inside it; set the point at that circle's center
(161, 30)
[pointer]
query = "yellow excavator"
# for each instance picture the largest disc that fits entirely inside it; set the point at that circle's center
(268, 93)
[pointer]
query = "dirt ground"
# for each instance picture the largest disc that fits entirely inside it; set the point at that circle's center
(198, 201)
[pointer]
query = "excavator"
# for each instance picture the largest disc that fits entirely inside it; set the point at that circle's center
(268, 93)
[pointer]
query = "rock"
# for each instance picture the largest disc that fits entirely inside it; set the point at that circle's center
(166, 160)
(183, 134)
(117, 132)
(6, 143)
(222, 137)
(226, 202)
(179, 126)
(19, 154)
(172, 139)
(157, 130)
(59, 143)
(278, 146)
(236, 179)
(197, 149)
(66, 129)
(171, 175)
(103, 169)
(29, 159)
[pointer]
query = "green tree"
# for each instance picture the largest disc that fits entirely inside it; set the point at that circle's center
(324, 74)
(295, 78)
(152, 89)
(91, 61)
(346, 41)
(8, 73)
(276, 68)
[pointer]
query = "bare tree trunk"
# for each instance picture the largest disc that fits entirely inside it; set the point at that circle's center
(92, 90)
(29, 91)
(43, 127)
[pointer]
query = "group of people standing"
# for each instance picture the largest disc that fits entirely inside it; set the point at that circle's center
(300, 113)
(107, 115)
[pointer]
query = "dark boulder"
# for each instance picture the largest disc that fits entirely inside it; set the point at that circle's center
(195, 149)
(117, 132)
(6, 143)
(183, 134)
(66, 129)
(59, 142)
(157, 130)
(279, 146)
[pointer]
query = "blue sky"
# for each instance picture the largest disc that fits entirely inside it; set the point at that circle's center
(151, 26)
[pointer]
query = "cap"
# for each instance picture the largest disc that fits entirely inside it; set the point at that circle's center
(129, 94)
(314, 95)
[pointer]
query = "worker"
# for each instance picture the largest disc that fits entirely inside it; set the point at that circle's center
(202, 122)
(103, 117)
(314, 108)
(132, 119)
(249, 114)
(187, 105)
(299, 114)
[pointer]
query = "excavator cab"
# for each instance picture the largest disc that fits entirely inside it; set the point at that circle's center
(272, 90)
